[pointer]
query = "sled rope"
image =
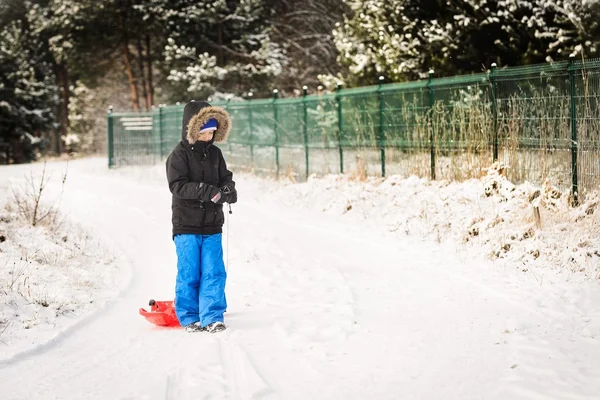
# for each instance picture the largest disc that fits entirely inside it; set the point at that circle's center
(227, 241)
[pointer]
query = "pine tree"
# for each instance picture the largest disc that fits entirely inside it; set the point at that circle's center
(404, 39)
(223, 46)
(28, 93)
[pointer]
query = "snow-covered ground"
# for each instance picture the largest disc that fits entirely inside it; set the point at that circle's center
(53, 272)
(392, 289)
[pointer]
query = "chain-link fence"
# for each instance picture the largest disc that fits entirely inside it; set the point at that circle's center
(542, 121)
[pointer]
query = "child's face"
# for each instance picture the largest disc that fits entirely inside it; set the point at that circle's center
(206, 136)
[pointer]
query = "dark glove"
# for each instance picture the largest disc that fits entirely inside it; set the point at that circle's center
(227, 194)
(209, 192)
(232, 196)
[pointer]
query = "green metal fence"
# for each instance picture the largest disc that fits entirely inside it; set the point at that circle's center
(542, 121)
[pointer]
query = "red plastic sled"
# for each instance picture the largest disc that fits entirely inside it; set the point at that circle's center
(162, 313)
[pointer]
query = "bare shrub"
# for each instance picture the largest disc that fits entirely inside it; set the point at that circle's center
(29, 202)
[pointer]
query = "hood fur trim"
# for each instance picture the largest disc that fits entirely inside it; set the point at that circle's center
(202, 117)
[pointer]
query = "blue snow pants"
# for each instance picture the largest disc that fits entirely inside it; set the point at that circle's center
(200, 284)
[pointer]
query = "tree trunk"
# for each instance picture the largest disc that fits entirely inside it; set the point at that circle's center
(63, 76)
(140, 51)
(149, 74)
(220, 29)
(127, 58)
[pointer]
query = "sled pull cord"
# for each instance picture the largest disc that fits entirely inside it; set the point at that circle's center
(227, 244)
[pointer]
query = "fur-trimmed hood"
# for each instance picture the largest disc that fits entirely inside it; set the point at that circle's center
(196, 114)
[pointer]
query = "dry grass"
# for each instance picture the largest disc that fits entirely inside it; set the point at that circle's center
(17, 271)
(360, 173)
(3, 329)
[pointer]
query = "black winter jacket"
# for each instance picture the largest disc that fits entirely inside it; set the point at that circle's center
(192, 166)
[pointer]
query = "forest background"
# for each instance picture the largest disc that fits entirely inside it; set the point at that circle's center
(63, 62)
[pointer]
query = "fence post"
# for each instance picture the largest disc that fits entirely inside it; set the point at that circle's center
(275, 130)
(381, 126)
(111, 133)
(251, 129)
(430, 123)
(495, 112)
(338, 98)
(305, 127)
(153, 138)
(574, 144)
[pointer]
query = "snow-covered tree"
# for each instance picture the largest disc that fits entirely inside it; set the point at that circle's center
(81, 122)
(28, 92)
(219, 45)
(561, 27)
(404, 39)
(67, 31)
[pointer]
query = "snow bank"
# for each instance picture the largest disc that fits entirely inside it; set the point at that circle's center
(51, 275)
(489, 216)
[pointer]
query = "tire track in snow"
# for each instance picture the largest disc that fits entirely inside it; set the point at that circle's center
(225, 372)
(244, 379)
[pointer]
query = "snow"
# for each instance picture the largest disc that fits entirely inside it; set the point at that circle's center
(51, 274)
(337, 289)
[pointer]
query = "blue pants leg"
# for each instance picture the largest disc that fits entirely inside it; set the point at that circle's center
(212, 303)
(187, 285)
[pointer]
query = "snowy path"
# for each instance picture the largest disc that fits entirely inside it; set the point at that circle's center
(318, 308)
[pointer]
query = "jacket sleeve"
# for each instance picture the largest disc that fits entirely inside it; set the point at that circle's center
(179, 184)
(225, 175)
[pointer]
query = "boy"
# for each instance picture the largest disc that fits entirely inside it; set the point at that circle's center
(200, 183)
